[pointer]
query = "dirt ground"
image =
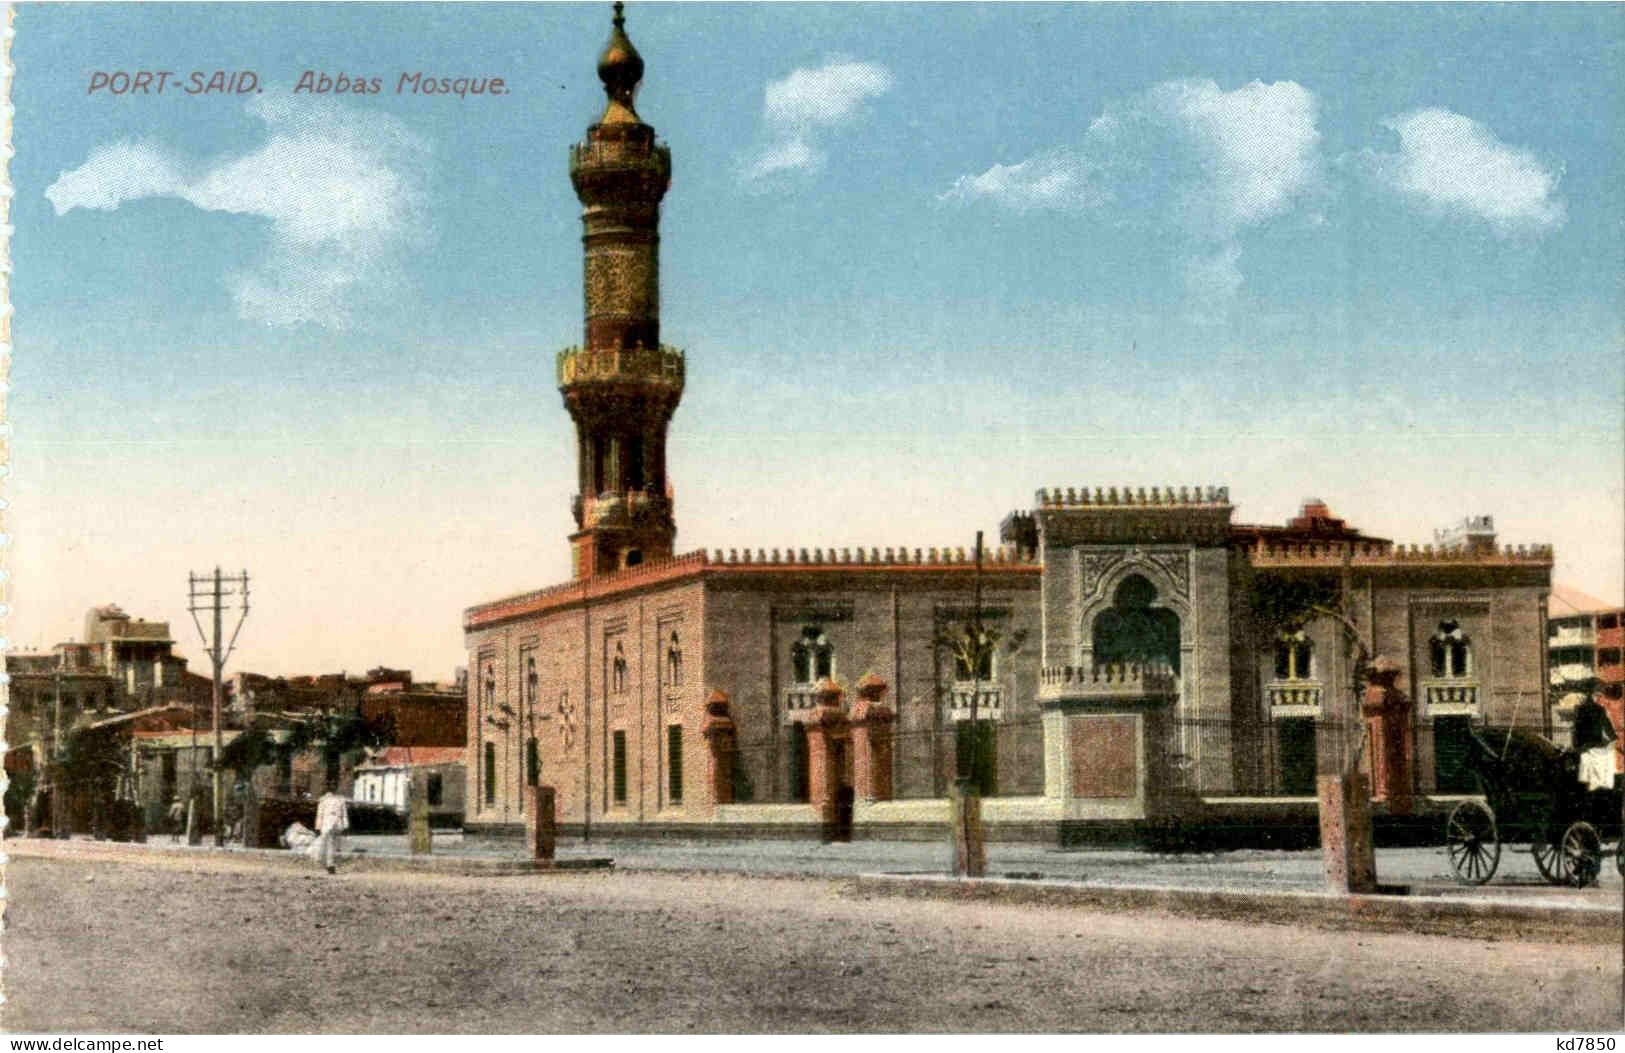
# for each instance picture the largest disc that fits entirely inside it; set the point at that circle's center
(202, 945)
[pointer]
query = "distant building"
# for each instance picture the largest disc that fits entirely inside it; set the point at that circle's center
(1584, 643)
(386, 779)
(123, 664)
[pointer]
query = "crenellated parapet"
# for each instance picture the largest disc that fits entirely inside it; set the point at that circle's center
(1113, 515)
(1134, 497)
(1336, 554)
(1003, 556)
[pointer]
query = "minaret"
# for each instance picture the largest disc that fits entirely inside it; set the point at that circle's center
(621, 386)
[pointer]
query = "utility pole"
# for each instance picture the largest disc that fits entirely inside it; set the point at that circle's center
(213, 593)
(58, 805)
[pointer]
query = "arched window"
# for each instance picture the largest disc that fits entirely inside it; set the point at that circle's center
(617, 670)
(533, 762)
(1294, 657)
(812, 656)
(1132, 632)
(1450, 652)
(674, 661)
(531, 679)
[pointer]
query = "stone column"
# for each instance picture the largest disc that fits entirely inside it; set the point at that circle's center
(1387, 713)
(872, 723)
(720, 737)
(827, 726)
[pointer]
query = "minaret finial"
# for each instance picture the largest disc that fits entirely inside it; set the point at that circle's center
(620, 68)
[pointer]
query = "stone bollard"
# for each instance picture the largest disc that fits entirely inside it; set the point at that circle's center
(194, 829)
(965, 811)
(1345, 833)
(418, 817)
(541, 827)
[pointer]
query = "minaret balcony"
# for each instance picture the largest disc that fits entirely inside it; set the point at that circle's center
(624, 508)
(629, 148)
(661, 366)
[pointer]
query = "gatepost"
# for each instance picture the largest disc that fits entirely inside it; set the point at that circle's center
(826, 734)
(872, 741)
(720, 737)
(1387, 714)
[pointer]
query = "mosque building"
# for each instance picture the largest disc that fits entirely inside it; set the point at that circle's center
(1122, 656)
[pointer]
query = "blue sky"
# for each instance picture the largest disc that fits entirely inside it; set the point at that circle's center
(923, 259)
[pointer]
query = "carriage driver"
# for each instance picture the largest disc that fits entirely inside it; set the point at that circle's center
(1594, 742)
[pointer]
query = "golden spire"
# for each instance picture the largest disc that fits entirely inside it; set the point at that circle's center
(620, 68)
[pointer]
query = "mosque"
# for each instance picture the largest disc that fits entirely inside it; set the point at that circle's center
(1123, 656)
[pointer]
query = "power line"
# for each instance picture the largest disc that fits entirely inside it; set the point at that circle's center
(216, 594)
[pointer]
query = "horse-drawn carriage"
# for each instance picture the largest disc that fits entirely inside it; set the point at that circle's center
(1532, 795)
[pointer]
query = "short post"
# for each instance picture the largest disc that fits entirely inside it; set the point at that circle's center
(194, 829)
(541, 825)
(251, 816)
(970, 852)
(418, 816)
(1345, 833)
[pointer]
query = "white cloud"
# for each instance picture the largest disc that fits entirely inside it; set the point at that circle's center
(341, 189)
(799, 109)
(1185, 156)
(1258, 145)
(1056, 180)
(1454, 164)
(787, 155)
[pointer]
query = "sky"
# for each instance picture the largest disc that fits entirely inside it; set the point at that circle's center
(923, 260)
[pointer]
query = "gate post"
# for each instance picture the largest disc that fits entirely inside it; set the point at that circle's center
(872, 741)
(827, 726)
(720, 737)
(1388, 721)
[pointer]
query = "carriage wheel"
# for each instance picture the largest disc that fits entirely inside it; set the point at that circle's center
(1548, 862)
(1472, 842)
(1580, 854)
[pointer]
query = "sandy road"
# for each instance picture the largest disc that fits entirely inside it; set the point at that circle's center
(214, 944)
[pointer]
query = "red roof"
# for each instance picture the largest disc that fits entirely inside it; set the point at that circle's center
(409, 756)
(1566, 602)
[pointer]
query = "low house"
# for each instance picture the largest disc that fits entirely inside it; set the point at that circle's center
(386, 779)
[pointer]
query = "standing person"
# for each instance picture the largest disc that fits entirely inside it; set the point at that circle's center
(332, 819)
(1594, 742)
(177, 819)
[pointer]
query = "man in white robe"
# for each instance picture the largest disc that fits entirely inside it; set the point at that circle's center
(332, 819)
